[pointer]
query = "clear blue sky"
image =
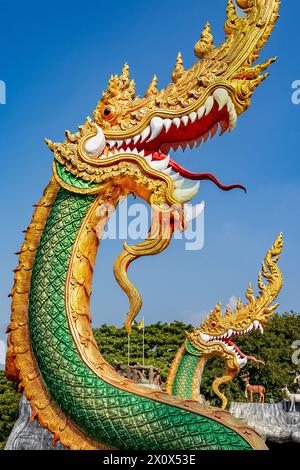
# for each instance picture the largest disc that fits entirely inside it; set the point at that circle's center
(56, 59)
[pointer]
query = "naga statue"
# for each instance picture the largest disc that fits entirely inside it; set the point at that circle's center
(123, 150)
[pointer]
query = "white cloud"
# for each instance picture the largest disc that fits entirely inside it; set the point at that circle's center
(233, 302)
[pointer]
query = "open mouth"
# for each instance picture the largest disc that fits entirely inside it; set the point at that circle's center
(226, 339)
(154, 143)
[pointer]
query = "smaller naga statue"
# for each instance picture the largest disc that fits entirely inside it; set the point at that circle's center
(253, 389)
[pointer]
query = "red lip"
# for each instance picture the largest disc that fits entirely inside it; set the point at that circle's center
(198, 176)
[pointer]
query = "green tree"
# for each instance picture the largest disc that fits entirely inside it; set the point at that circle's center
(161, 343)
(9, 403)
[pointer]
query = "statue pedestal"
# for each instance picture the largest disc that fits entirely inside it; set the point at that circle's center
(29, 435)
(270, 420)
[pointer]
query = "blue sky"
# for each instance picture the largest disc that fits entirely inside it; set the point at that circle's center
(56, 59)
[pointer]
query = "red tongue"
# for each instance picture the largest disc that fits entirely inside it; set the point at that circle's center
(249, 358)
(198, 176)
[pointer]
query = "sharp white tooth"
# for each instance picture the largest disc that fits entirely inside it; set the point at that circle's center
(119, 143)
(148, 158)
(142, 153)
(209, 105)
(175, 176)
(192, 212)
(156, 126)
(135, 151)
(232, 119)
(231, 348)
(167, 124)
(221, 96)
(185, 195)
(110, 155)
(193, 117)
(177, 122)
(204, 337)
(242, 361)
(179, 183)
(121, 151)
(145, 134)
(256, 324)
(136, 139)
(111, 143)
(230, 106)
(261, 329)
(229, 333)
(168, 171)
(185, 120)
(160, 165)
(225, 335)
(127, 141)
(201, 112)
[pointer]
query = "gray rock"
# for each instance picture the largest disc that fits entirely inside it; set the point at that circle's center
(29, 435)
(270, 420)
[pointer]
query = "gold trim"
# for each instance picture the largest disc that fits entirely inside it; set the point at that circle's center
(20, 358)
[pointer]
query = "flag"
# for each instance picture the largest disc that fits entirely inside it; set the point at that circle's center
(141, 325)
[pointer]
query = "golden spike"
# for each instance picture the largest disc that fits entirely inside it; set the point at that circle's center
(261, 284)
(249, 293)
(233, 19)
(218, 310)
(205, 44)
(179, 68)
(239, 304)
(112, 88)
(125, 75)
(251, 73)
(228, 311)
(152, 89)
(125, 83)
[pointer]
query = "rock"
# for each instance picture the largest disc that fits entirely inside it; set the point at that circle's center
(270, 420)
(29, 435)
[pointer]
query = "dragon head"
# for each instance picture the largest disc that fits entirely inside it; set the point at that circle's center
(126, 145)
(200, 100)
(215, 336)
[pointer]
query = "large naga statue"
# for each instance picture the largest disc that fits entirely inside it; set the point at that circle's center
(73, 391)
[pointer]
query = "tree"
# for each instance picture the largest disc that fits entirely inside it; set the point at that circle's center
(161, 343)
(9, 403)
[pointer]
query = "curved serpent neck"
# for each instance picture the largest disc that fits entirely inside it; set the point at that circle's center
(185, 375)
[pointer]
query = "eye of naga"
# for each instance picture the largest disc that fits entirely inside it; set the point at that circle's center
(108, 113)
(213, 324)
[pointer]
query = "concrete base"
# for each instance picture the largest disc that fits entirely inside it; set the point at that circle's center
(270, 420)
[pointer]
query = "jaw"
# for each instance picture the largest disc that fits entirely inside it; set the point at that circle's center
(226, 342)
(153, 144)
